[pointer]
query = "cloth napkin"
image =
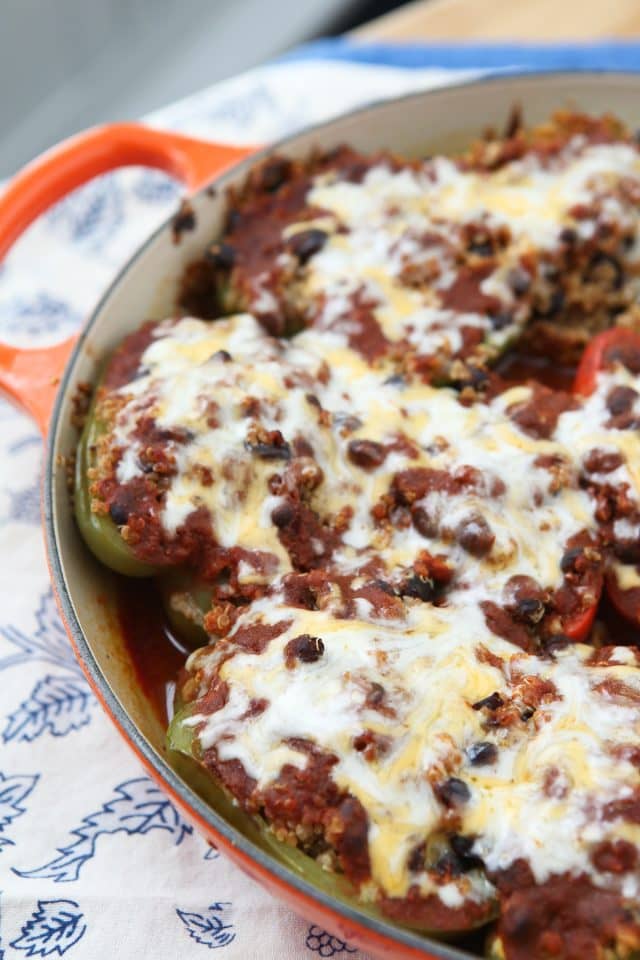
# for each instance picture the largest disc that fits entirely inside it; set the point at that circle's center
(95, 863)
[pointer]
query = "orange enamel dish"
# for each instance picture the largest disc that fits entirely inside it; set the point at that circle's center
(44, 382)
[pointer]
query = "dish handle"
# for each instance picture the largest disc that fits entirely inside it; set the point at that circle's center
(30, 376)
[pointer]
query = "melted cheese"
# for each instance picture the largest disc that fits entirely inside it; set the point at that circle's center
(538, 800)
(415, 218)
(185, 375)
(627, 576)
(533, 199)
(543, 798)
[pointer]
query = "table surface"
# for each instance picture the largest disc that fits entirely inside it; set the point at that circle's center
(543, 20)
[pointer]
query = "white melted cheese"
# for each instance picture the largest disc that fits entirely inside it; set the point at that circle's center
(534, 199)
(394, 218)
(587, 429)
(530, 523)
(383, 222)
(542, 799)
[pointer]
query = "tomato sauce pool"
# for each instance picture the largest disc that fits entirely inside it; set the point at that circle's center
(158, 654)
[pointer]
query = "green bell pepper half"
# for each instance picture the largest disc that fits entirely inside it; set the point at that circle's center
(186, 758)
(185, 602)
(99, 531)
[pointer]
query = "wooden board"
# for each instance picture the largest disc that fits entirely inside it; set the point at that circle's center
(545, 20)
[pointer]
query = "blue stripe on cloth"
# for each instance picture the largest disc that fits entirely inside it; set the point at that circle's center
(607, 55)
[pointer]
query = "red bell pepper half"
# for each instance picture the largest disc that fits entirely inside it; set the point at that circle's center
(617, 345)
(577, 627)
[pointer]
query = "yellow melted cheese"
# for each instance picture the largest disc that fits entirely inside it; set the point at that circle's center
(530, 522)
(428, 659)
(543, 797)
(385, 218)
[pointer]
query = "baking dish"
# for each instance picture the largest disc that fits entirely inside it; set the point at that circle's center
(84, 591)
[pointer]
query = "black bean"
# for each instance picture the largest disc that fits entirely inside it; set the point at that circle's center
(366, 454)
(282, 515)
(481, 248)
(477, 376)
(221, 255)
(555, 643)
(501, 320)
(453, 792)
(530, 609)
(568, 561)
(620, 400)
(222, 355)
(568, 235)
(304, 244)
(422, 588)
(305, 648)
(482, 753)
(518, 920)
(519, 281)
(462, 847)
(492, 702)
(118, 514)
(527, 713)
(270, 451)
(416, 857)
(309, 648)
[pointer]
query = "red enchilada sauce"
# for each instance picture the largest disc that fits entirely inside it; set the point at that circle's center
(158, 654)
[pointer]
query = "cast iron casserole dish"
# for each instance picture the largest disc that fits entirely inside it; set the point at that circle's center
(83, 589)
